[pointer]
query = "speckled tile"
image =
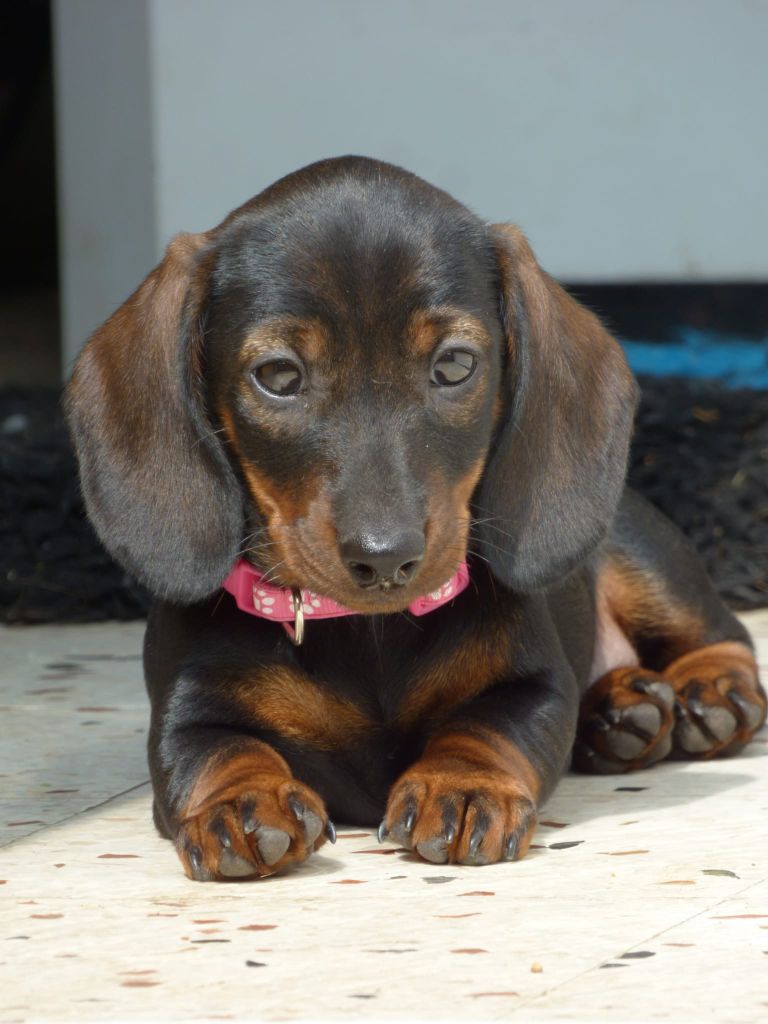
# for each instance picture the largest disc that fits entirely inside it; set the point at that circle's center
(645, 899)
(74, 716)
(712, 966)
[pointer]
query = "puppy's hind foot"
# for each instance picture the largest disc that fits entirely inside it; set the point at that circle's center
(625, 722)
(719, 702)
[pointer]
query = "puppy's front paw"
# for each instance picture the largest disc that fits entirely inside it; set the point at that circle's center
(247, 823)
(450, 807)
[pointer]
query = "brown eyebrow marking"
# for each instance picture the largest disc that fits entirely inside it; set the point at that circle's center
(427, 327)
(307, 336)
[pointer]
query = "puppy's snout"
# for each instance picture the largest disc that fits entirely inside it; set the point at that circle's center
(385, 560)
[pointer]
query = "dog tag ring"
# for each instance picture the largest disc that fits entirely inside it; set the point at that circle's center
(298, 617)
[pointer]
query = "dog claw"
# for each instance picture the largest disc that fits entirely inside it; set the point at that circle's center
(472, 856)
(510, 848)
(382, 832)
(599, 723)
(219, 829)
(751, 713)
(195, 855)
(696, 707)
(662, 691)
(297, 807)
(713, 724)
(313, 826)
(312, 822)
(474, 841)
(401, 831)
(330, 831)
(690, 737)
(250, 824)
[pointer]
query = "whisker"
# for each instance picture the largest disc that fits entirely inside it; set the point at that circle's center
(255, 549)
(411, 620)
(268, 576)
(490, 544)
(249, 536)
(476, 554)
(487, 511)
(490, 524)
(258, 545)
(211, 433)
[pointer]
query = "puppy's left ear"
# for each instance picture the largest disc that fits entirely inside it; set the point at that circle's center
(556, 470)
(155, 478)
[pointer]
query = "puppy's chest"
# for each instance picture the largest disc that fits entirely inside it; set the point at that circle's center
(374, 689)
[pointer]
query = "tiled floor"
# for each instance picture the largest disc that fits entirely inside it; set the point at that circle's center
(646, 898)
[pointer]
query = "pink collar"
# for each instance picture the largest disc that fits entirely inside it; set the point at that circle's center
(246, 584)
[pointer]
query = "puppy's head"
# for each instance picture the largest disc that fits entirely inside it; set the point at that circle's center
(349, 381)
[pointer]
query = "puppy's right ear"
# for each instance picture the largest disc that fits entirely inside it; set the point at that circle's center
(157, 485)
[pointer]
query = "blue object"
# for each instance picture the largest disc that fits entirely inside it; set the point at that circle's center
(703, 354)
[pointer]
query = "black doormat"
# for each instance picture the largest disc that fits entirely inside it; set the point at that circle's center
(700, 453)
(52, 566)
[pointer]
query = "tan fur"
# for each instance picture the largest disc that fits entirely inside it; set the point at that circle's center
(639, 602)
(463, 672)
(282, 699)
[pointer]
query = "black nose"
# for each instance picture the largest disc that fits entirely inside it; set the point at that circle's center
(383, 560)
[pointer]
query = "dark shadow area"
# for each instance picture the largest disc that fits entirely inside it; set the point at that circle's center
(29, 302)
(655, 312)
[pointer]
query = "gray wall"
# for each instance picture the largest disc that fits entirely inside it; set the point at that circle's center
(627, 138)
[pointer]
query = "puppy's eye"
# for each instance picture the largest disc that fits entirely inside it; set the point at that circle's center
(452, 367)
(279, 377)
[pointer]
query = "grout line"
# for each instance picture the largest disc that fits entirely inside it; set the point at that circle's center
(644, 942)
(75, 814)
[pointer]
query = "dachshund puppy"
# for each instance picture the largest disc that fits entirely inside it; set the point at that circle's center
(370, 459)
